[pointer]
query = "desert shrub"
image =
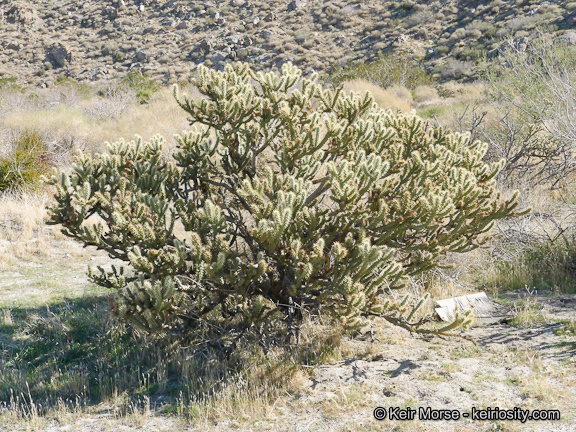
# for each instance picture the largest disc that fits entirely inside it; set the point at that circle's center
(142, 85)
(533, 90)
(456, 70)
(69, 91)
(284, 199)
(536, 251)
(118, 56)
(419, 18)
(425, 94)
(472, 53)
(26, 157)
(389, 70)
(111, 103)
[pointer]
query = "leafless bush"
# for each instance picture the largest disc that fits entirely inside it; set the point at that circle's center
(111, 105)
(533, 90)
(15, 100)
(455, 69)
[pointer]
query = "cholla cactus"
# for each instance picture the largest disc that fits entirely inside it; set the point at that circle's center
(284, 196)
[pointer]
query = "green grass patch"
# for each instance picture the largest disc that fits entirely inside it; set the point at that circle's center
(432, 111)
(144, 87)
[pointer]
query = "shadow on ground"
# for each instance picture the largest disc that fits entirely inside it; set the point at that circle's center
(73, 353)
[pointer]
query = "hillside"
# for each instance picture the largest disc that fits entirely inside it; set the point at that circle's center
(101, 40)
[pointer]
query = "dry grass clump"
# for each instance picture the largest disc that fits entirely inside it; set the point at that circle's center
(22, 228)
(70, 360)
(426, 95)
(401, 92)
(385, 98)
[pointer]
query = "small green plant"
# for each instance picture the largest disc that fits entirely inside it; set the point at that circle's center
(144, 87)
(27, 159)
(8, 81)
(118, 56)
(527, 313)
(568, 328)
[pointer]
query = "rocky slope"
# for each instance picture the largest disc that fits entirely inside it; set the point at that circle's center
(94, 40)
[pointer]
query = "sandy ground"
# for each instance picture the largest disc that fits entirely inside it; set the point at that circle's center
(528, 369)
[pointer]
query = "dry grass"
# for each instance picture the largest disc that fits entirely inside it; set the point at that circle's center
(22, 229)
(161, 116)
(386, 99)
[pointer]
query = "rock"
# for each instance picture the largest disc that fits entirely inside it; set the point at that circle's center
(242, 53)
(20, 14)
(206, 45)
(182, 26)
(58, 55)
(296, 4)
(141, 56)
(271, 17)
(13, 46)
(256, 20)
(111, 11)
(568, 38)
(218, 57)
(238, 3)
(267, 34)
(234, 39)
(402, 39)
(99, 73)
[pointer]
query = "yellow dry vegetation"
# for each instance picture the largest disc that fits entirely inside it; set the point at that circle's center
(386, 99)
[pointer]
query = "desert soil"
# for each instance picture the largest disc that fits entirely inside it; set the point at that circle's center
(531, 368)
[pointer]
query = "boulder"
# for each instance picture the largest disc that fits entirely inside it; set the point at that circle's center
(296, 4)
(568, 38)
(111, 11)
(58, 55)
(271, 17)
(13, 45)
(206, 45)
(141, 56)
(234, 39)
